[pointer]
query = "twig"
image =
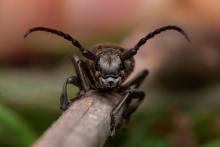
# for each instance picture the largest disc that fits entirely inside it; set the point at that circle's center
(85, 124)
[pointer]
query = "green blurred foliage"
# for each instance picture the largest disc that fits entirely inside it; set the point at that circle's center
(14, 130)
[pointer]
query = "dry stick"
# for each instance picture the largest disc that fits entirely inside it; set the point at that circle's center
(85, 124)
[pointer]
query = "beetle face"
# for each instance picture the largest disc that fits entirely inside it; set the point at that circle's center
(109, 71)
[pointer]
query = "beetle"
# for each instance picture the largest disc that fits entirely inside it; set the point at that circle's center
(105, 68)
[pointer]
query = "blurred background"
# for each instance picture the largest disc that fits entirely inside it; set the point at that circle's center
(182, 105)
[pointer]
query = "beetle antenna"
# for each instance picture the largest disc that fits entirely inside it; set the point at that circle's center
(85, 53)
(130, 53)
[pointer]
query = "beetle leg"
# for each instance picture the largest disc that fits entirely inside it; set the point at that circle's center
(81, 74)
(80, 81)
(131, 94)
(131, 106)
(137, 80)
(129, 109)
(64, 102)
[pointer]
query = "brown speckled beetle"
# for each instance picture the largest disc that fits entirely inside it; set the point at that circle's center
(106, 69)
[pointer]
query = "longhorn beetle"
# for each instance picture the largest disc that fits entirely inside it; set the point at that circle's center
(105, 68)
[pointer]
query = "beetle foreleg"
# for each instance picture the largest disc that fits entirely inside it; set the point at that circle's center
(137, 80)
(129, 107)
(64, 102)
(81, 74)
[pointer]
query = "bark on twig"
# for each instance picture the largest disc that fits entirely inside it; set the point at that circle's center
(85, 124)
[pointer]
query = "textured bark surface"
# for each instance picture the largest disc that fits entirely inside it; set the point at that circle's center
(85, 124)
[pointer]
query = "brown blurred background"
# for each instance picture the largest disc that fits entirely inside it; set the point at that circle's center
(181, 108)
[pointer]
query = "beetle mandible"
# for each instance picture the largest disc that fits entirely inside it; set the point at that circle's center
(105, 68)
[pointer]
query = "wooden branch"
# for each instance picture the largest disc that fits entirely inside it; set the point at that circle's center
(85, 124)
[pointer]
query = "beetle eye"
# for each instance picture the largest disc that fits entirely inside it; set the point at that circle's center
(97, 66)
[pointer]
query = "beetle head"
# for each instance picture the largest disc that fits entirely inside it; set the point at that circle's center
(109, 70)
